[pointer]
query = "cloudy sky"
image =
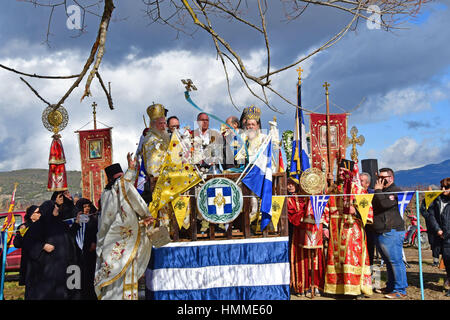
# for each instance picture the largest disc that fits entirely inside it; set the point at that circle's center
(403, 77)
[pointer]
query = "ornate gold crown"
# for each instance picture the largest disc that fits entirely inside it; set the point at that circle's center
(252, 112)
(156, 111)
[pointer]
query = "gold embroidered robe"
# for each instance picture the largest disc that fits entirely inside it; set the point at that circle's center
(253, 146)
(348, 267)
(154, 148)
(123, 247)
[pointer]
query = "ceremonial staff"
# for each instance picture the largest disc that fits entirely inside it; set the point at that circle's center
(329, 169)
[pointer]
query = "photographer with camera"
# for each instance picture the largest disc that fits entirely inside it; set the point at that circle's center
(390, 232)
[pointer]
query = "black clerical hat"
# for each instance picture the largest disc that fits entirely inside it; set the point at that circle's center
(112, 170)
(347, 164)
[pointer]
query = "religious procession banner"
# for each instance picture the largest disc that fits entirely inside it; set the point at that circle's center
(338, 135)
(95, 155)
(277, 208)
(243, 269)
(9, 222)
(57, 177)
(364, 202)
(175, 177)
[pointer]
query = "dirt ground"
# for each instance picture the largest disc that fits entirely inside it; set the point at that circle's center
(433, 281)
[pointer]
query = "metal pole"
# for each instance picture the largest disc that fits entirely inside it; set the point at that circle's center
(5, 249)
(420, 244)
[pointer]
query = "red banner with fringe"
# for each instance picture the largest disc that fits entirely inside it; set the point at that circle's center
(338, 134)
(95, 154)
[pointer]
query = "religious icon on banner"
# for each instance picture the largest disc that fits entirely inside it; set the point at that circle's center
(95, 149)
(338, 135)
(333, 137)
(95, 154)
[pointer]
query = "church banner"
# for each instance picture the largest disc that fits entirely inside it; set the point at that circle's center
(243, 269)
(95, 154)
(338, 134)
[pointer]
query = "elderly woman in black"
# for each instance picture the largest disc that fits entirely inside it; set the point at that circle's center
(50, 248)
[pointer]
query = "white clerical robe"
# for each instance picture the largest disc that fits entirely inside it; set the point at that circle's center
(123, 247)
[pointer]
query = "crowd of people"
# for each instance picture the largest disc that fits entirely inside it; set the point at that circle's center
(58, 238)
(73, 250)
(336, 257)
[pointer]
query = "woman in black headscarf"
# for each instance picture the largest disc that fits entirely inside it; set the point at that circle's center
(50, 245)
(64, 201)
(86, 244)
(32, 215)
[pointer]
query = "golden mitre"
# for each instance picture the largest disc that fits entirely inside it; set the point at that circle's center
(156, 111)
(253, 112)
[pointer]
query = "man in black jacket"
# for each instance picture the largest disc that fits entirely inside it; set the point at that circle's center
(439, 222)
(390, 232)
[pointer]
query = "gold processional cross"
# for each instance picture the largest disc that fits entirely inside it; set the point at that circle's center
(299, 70)
(94, 112)
(354, 141)
(189, 85)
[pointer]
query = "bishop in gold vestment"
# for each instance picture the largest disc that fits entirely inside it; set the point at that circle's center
(156, 141)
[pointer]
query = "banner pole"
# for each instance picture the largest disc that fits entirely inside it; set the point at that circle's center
(4, 252)
(420, 244)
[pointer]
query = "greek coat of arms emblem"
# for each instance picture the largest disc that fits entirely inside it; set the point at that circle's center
(220, 200)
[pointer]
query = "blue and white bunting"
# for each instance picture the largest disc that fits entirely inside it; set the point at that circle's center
(318, 204)
(403, 201)
(243, 269)
(259, 180)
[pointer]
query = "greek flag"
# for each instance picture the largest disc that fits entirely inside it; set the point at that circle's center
(242, 269)
(318, 204)
(299, 159)
(142, 177)
(259, 180)
(403, 201)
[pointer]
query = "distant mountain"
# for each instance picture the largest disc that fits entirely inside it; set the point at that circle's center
(32, 188)
(426, 175)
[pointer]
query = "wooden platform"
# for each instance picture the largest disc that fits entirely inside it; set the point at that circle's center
(240, 228)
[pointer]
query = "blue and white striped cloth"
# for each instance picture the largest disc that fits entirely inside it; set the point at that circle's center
(244, 269)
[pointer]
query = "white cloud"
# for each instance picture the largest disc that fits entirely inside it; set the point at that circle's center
(407, 153)
(136, 83)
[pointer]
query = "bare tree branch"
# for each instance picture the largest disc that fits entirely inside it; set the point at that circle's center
(36, 75)
(107, 93)
(35, 92)
(189, 16)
